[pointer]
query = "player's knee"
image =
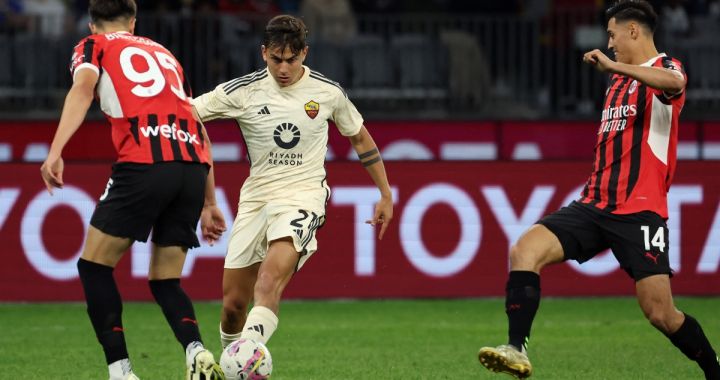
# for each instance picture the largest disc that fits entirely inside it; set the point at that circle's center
(234, 308)
(659, 319)
(522, 256)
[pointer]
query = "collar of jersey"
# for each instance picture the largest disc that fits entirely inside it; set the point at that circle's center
(306, 74)
(653, 59)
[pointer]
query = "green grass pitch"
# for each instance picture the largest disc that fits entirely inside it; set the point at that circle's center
(578, 338)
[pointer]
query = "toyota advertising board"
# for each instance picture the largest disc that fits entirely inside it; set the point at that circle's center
(454, 222)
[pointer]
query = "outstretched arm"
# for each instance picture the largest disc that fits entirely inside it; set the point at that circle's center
(369, 156)
(669, 81)
(77, 103)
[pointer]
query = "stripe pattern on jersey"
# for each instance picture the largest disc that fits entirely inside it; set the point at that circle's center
(323, 78)
(245, 80)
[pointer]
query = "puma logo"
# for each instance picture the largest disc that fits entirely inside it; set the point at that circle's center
(651, 257)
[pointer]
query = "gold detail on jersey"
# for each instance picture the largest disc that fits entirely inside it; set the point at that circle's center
(312, 108)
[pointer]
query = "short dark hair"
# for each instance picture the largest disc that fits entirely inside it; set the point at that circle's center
(285, 31)
(111, 10)
(636, 10)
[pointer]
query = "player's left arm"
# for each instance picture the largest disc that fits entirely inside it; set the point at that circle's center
(671, 82)
(370, 158)
(77, 103)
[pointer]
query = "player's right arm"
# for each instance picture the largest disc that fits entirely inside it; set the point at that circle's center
(77, 103)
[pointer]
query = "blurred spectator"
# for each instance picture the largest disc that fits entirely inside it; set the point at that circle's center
(252, 7)
(329, 20)
(50, 17)
(376, 6)
(289, 6)
(675, 18)
(714, 9)
(12, 18)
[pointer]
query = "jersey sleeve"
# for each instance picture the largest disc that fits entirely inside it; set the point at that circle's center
(675, 67)
(346, 117)
(86, 55)
(217, 104)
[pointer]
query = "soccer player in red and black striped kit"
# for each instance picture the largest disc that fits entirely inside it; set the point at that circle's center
(162, 181)
(624, 203)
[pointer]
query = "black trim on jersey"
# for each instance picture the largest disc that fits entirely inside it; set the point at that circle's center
(88, 47)
(174, 143)
(636, 150)
(616, 163)
(134, 129)
(244, 81)
(155, 144)
(188, 145)
(601, 155)
(322, 78)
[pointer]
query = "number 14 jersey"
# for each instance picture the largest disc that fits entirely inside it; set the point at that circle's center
(142, 92)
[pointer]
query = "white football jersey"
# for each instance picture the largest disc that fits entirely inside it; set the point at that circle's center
(285, 129)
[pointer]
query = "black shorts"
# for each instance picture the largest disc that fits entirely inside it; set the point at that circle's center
(639, 241)
(166, 198)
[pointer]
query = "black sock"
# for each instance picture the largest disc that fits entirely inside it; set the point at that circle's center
(521, 303)
(692, 342)
(104, 307)
(178, 309)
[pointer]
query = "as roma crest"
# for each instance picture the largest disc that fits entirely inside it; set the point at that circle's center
(312, 108)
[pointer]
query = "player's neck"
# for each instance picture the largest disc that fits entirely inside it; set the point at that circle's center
(112, 28)
(645, 53)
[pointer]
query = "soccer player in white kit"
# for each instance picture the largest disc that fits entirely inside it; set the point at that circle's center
(283, 112)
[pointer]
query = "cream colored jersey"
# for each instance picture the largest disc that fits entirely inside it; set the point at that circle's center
(285, 129)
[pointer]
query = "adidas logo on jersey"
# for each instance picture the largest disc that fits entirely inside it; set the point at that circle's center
(258, 328)
(264, 111)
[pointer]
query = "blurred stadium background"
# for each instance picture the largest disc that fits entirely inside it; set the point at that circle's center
(483, 111)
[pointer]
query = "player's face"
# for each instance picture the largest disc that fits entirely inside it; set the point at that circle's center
(620, 39)
(284, 65)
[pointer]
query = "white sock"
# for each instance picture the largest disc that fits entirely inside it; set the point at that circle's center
(260, 325)
(191, 350)
(119, 369)
(226, 339)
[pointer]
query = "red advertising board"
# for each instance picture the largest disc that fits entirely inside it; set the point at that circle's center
(398, 140)
(453, 225)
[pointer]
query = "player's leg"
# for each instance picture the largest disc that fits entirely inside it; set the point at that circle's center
(569, 233)
(656, 302)
(535, 249)
(238, 287)
(273, 276)
(174, 232)
(122, 216)
(104, 305)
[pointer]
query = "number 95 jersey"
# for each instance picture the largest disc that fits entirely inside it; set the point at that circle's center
(142, 91)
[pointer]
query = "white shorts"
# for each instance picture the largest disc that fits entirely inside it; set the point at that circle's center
(258, 223)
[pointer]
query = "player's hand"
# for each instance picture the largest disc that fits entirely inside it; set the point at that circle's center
(52, 173)
(598, 59)
(383, 215)
(212, 223)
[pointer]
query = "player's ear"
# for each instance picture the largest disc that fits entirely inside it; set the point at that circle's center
(304, 53)
(92, 28)
(263, 51)
(634, 30)
(132, 25)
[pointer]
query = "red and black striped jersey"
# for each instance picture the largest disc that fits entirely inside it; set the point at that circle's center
(142, 92)
(635, 154)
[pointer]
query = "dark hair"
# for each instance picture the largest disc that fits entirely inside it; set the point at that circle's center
(285, 31)
(111, 10)
(636, 10)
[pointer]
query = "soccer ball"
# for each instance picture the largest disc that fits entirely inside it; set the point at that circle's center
(246, 359)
